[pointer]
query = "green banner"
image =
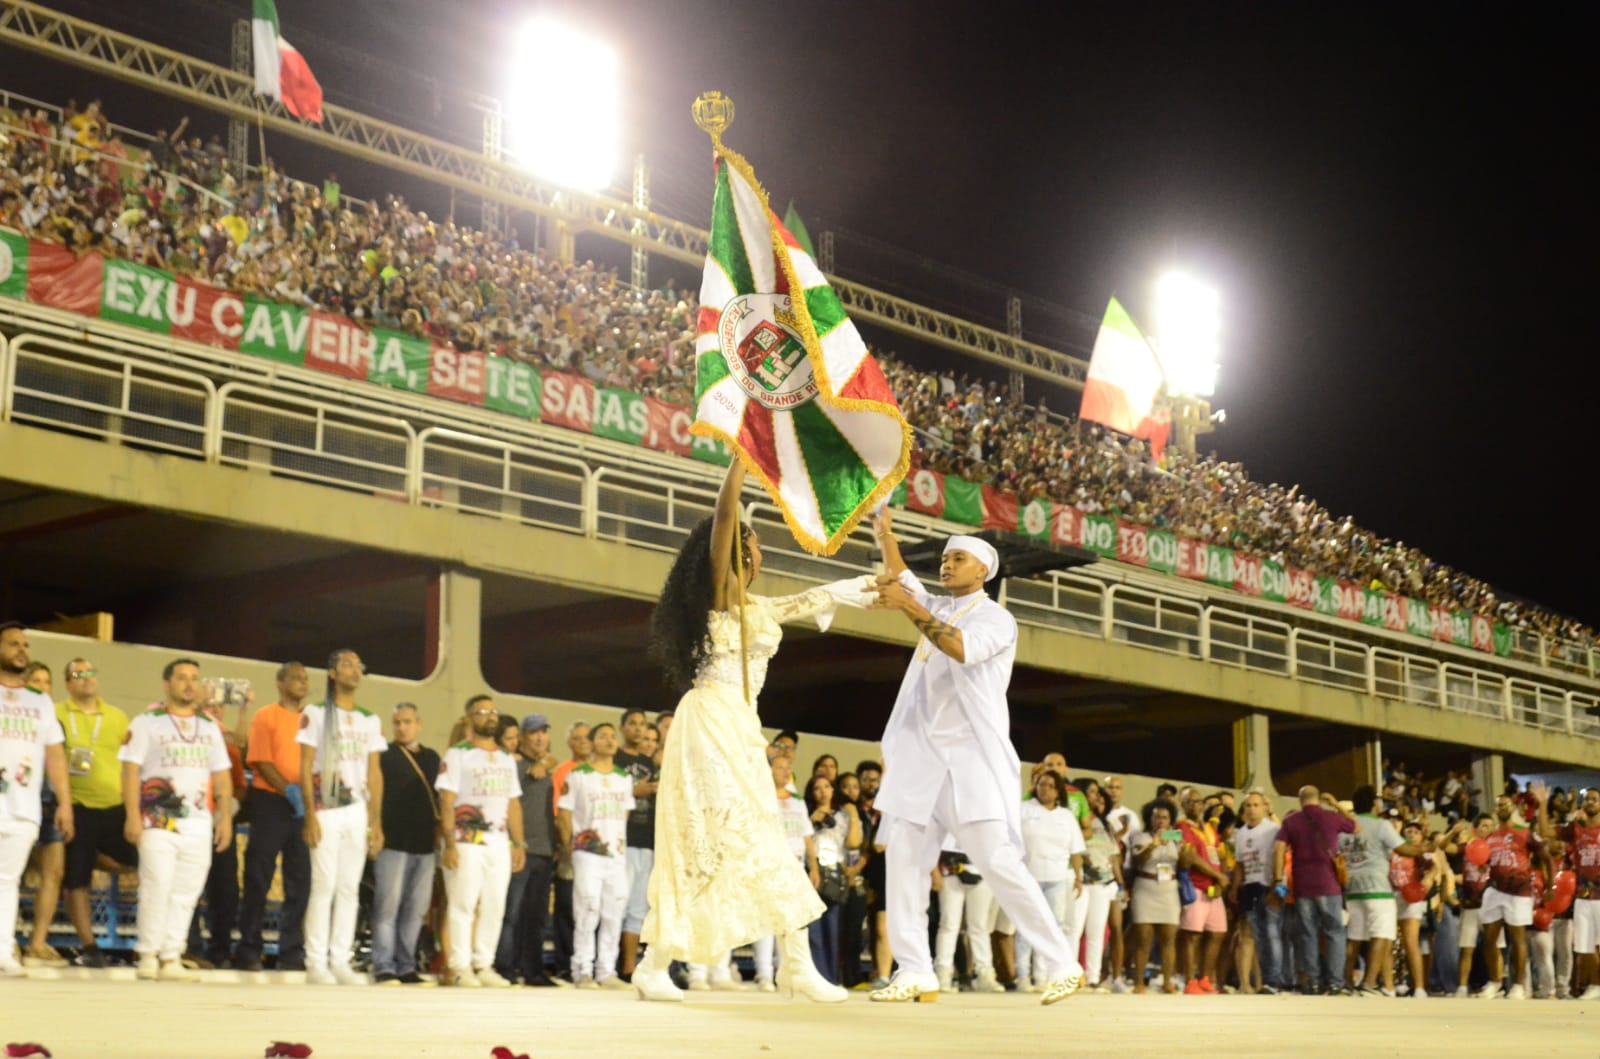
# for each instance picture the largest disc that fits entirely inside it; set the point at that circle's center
(1219, 565)
(619, 415)
(1504, 640)
(13, 266)
(1325, 595)
(1419, 618)
(1461, 628)
(963, 501)
(1035, 519)
(1100, 534)
(709, 450)
(1274, 582)
(274, 330)
(514, 388)
(1372, 606)
(135, 295)
(402, 361)
(1163, 550)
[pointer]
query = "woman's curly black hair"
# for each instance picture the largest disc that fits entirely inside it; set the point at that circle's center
(679, 622)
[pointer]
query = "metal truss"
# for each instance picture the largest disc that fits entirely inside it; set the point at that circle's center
(72, 40)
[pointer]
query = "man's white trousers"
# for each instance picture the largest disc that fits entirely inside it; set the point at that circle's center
(336, 865)
(16, 839)
(172, 873)
(913, 852)
(477, 887)
(599, 897)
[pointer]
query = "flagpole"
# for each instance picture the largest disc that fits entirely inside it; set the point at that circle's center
(738, 573)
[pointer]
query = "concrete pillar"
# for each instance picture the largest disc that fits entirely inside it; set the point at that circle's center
(455, 635)
(1252, 753)
(1489, 776)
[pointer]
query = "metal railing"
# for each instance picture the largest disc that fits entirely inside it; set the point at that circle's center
(555, 480)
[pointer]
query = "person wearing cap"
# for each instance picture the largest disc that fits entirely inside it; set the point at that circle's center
(521, 951)
(403, 872)
(951, 768)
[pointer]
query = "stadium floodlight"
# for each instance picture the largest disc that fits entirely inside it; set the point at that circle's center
(561, 106)
(1188, 329)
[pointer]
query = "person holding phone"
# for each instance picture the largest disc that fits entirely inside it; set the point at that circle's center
(1159, 853)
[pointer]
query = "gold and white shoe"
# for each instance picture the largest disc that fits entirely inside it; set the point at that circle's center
(906, 987)
(1060, 988)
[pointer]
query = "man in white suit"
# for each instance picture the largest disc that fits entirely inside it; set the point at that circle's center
(951, 776)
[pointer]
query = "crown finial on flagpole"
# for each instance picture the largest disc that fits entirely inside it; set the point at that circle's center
(713, 112)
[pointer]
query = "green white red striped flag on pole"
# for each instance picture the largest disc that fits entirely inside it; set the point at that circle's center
(783, 377)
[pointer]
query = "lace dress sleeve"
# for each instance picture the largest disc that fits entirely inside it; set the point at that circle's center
(821, 602)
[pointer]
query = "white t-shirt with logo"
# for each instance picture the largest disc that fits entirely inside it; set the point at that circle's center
(28, 724)
(359, 734)
(1253, 848)
(176, 757)
(796, 824)
(484, 782)
(599, 803)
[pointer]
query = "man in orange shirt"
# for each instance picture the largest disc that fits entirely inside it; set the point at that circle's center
(277, 818)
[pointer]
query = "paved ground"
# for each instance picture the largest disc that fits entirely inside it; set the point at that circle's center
(95, 1016)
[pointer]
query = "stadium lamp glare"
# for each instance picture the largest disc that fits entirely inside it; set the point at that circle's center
(1188, 329)
(561, 106)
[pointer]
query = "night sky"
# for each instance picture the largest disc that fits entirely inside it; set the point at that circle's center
(1396, 203)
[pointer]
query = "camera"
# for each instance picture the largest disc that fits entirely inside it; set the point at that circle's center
(227, 691)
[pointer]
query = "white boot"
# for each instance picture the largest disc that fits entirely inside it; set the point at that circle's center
(652, 982)
(798, 976)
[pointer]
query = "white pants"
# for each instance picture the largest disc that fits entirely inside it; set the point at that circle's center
(16, 839)
(172, 873)
(973, 905)
(764, 953)
(1094, 910)
(477, 887)
(1585, 925)
(1541, 961)
(913, 851)
(336, 864)
(1058, 895)
(723, 972)
(599, 897)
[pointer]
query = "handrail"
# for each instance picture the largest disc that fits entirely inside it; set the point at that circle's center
(622, 498)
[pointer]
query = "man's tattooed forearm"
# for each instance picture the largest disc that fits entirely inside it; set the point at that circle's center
(934, 629)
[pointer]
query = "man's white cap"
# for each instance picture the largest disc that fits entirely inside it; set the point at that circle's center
(979, 549)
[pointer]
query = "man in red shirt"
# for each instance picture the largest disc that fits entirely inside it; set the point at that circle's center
(1474, 880)
(1509, 897)
(1206, 914)
(1583, 841)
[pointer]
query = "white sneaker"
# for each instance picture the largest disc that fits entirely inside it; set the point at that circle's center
(149, 968)
(727, 984)
(585, 982)
(10, 968)
(987, 983)
(1517, 993)
(765, 985)
(344, 974)
(1121, 985)
(465, 979)
(492, 979)
(947, 979)
(1488, 992)
(175, 971)
(610, 981)
(1592, 993)
(320, 976)
(1462, 992)
(1420, 994)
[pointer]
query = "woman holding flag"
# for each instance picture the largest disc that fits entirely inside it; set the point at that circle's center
(724, 875)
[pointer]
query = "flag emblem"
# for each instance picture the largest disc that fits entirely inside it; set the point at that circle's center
(765, 354)
(926, 486)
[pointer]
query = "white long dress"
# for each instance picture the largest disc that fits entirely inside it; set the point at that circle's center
(724, 874)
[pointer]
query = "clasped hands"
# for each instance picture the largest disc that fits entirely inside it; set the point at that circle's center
(891, 594)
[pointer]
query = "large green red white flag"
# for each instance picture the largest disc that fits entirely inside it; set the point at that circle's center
(783, 377)
(281, 71)
(1124, 378)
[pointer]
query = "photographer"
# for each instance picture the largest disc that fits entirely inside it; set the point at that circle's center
(834, 832)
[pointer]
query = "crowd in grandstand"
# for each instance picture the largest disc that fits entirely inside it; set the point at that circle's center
(493, 863)
(177, 206)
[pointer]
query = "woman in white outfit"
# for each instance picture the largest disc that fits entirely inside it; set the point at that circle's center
(724, 874)
(1052, 844)
(1102, 880)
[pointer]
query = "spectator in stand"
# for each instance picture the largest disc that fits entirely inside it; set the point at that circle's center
(1207, 914)
(1583, 838)
(481, 814)
(520, 956)
(403, 870)
(640, 765)
(1311, 835)
(1260, 919)
(277, 826)
(1159, 853)
(30, 752)
(1508, 900)
(508, 734)
(579, 749)
(174, 765)
(94, 729)
(593, 822)
(342, 782)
